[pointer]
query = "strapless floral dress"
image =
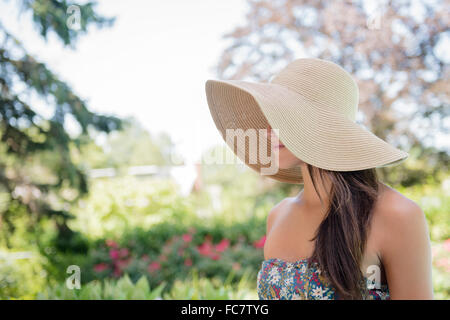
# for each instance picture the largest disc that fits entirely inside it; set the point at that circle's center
(282, 280)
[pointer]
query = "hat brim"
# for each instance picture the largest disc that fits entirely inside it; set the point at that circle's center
(314, 133)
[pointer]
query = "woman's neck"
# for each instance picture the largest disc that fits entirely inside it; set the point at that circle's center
(308, 197)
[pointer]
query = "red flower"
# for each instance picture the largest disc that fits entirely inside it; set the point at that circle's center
(188, 262)
(222, 245)
(187, 237)
(260, 243)
(205, 248)
(155, 265)
(111, 243)
(100, 267)
(114, 254)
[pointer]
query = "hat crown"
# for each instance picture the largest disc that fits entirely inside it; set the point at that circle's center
(323, 82)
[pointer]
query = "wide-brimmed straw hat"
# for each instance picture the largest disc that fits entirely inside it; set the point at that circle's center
(313, 104)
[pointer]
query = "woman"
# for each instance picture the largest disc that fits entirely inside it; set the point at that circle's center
(346, 235)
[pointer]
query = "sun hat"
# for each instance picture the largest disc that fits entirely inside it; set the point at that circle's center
(312, 105)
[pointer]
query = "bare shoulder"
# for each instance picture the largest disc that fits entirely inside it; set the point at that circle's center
(397, 218)
(275, 212)
(394, 210)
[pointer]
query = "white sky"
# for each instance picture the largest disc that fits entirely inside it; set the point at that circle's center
(152, 63)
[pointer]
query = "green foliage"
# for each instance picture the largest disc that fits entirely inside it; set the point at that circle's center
(122, 289)
(37, 170)
(21, 277)
(117, 205)
(166, 252)
(155, 230)
(52, 16)
(212, 288)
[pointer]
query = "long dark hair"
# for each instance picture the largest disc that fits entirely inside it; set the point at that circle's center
(341, 238)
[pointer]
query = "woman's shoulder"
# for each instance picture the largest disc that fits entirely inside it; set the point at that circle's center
(393, 207)
(396, 217)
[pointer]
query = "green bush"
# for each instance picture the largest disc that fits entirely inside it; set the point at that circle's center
(213, 288)
(122, 289)
(21, 278)
(194, 288)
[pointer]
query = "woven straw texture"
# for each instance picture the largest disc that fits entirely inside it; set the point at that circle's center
(313, 103)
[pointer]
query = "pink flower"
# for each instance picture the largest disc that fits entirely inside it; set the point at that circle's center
(114, 254)
(187, 237)
(446, 245)
(188, 262)
(100, 267)
(222, 245)
(111, 243)
(215, 256)
(123, 263)
(205, 248)
(155, 265)
(260, 243)
(124, 252)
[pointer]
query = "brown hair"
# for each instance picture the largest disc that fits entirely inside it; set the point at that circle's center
(341, 238)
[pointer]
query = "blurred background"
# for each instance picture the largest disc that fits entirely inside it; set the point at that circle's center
(105, 129)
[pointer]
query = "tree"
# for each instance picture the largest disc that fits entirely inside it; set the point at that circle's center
(37, 172)
(396, 63)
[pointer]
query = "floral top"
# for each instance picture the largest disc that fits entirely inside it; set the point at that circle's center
(282, 280)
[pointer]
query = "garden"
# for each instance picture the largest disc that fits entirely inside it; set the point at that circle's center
(138, 239)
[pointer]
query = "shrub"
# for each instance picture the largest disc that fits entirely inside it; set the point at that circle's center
(122, 289)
